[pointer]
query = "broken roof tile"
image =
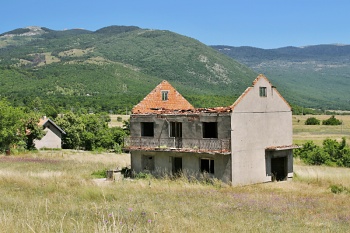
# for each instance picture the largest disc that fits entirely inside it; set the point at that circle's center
(155, 101)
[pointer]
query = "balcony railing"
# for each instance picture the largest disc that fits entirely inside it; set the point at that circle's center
(181, 144)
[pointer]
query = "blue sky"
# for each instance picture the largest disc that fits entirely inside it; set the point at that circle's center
(258, 23)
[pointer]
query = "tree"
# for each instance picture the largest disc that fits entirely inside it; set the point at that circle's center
(74, 128)
(18, 127)
(312, 121)
(33, 130)
(12, 129)
(331, 121)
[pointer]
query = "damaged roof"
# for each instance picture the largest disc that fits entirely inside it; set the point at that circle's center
(165, 99)
(163, 96)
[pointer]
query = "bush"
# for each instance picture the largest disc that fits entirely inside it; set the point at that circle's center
(312, 121)
(331, 121)
(333, 153)
(100, 173)
(336, 189)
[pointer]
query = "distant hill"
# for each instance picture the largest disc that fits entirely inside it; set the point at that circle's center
(113, 68)
(313, 76)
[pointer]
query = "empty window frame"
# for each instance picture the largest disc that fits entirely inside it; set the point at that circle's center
(210, 130)
(175, 129)
(262, 91)
(165, 95)
(147, 129)
(207, 165)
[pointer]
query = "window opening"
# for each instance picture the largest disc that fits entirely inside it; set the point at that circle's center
(207, 165)
(262, 91)
(210, 130)
(147, 129)
(148, 163)
(165, 95)
(176, 129)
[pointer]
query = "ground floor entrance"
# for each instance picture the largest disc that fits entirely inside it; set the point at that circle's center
(279, 164)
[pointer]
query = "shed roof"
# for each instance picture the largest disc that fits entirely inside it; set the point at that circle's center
(43, 121)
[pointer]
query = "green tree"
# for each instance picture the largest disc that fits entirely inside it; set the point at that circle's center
(312, 121)
(12, 127)
(17, 127)
(331, 121)
(74, 127)
(33, 130)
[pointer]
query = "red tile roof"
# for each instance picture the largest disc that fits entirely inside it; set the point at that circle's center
(153, 102)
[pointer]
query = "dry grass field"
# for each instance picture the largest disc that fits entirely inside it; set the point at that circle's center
(114, 120)
(53, 191)
(318, 133)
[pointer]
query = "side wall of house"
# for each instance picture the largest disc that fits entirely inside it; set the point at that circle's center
(52, 138)
(258, 123)
(163, 163)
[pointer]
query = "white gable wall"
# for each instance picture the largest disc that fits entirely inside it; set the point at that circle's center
(257, 123)
(52, 138)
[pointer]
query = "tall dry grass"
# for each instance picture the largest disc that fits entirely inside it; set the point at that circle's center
(54, 192)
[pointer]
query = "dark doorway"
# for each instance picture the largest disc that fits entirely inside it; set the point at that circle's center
(279, 168)
(177, 165)
(176, 132)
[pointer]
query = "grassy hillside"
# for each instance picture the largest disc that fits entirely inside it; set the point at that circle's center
(113, 68)
(312, 76)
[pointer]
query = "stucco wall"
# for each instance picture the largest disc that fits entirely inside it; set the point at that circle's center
(192, 127)
(52, 138)
(258, 123)
(190, 163)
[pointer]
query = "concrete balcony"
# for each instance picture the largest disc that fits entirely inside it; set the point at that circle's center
(213, 145)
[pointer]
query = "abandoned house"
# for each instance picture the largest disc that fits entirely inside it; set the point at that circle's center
(53, 136)
(245, 143)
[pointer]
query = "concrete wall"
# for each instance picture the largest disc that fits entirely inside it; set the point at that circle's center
(192, 127)
(190, 163)
(52, 138)
(258, 123)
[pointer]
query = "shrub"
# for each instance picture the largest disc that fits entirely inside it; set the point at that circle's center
(336, 189)
(333, 153)
(312, 121)
(331, 121)
(100, 173)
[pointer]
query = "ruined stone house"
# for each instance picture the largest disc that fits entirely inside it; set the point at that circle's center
(245, 143)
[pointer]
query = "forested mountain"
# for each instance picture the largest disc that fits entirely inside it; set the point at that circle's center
(113, 68)
(313, 76)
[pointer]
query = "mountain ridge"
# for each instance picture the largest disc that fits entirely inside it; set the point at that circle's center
(315, 76)
(77, 68)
